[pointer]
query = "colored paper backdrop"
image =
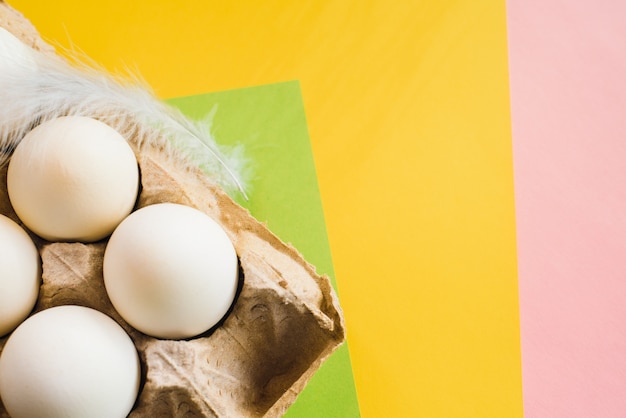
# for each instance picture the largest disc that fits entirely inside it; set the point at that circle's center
(568, 97)
(269, 122)
(407, 105)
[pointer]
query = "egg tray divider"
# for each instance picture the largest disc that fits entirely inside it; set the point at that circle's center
(285, 322)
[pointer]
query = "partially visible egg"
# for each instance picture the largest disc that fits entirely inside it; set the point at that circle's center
(69, 361)
(20, 270)
(73, 179)
(170, 271)
(15, 56)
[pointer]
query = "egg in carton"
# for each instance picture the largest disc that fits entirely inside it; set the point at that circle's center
(286, 319)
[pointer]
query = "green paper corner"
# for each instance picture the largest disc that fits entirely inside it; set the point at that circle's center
(269, 122)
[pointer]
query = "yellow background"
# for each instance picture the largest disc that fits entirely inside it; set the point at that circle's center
(408, 110)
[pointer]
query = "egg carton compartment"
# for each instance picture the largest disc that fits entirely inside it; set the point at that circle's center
(285, 321)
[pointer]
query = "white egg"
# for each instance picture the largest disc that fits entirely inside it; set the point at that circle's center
(69, 361)
(15, 56)
(73, 179)
(170, 271)
(20, 270)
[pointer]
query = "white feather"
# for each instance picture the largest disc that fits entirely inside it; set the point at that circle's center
(37, 87)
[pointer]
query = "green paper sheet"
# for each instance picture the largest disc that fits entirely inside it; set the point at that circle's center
(269, 121)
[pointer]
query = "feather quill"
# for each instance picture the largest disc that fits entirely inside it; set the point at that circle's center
(36, 87)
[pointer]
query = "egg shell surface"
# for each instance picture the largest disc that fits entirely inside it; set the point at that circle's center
(69, 361)
(15, 56)
(170, 271)
(73, 178)
(20, 274)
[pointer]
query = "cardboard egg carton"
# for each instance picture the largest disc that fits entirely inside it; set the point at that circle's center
(285, 322)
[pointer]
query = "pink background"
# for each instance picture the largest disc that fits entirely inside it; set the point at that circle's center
(568, 100)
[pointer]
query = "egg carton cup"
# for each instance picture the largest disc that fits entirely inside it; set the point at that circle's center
(286, 319)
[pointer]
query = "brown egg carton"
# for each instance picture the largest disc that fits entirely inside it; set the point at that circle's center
(285, 322)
